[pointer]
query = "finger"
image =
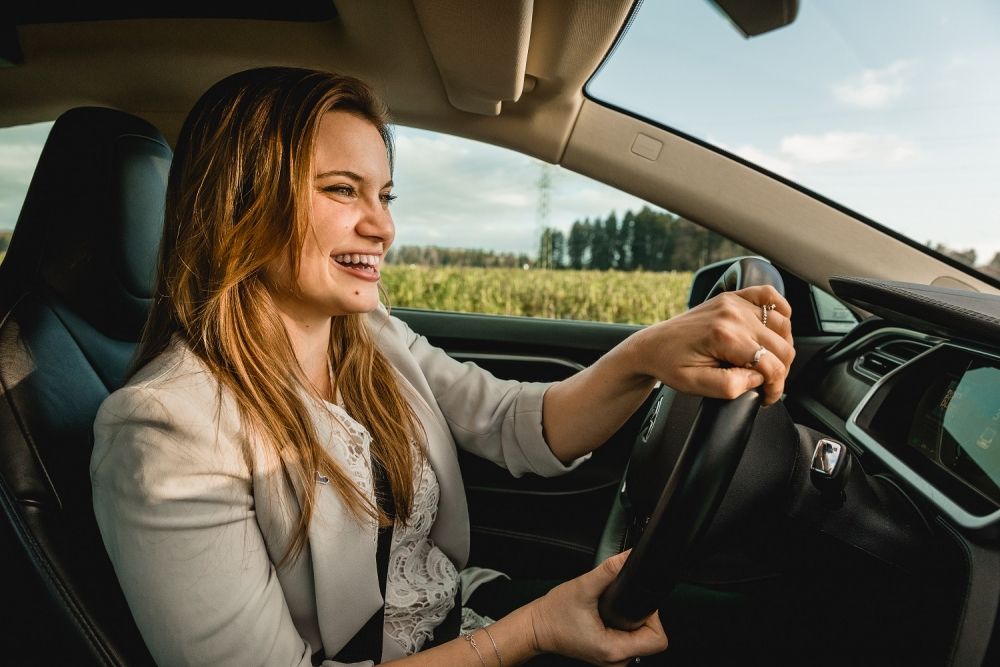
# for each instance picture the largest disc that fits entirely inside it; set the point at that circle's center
(780, 325)
(776, 345)
(647, 639)
(602, 575)
(774, 372)
(765, 295)
(720, 382)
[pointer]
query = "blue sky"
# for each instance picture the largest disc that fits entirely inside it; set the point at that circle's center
(890, 108)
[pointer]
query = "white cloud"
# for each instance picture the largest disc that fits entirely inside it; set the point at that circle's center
(17, 161)
(462, 193)
(874, 88)
(761, 158)
(847, 147)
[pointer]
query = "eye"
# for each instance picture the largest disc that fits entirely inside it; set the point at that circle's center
(341, 189)
(387, 198)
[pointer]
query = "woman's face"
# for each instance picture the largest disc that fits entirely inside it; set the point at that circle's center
(350, 225)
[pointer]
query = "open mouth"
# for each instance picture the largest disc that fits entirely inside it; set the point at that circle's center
(363, 265)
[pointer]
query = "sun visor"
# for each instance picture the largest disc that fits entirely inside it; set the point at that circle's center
(480, 48)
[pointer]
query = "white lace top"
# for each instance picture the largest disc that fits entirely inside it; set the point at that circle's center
(422, 581)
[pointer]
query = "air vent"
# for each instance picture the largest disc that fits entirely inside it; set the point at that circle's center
(888, 356)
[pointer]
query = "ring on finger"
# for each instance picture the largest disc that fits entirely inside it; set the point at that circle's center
(764, 310)
(761, 351)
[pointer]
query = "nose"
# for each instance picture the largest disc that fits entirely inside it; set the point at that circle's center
(377, 223)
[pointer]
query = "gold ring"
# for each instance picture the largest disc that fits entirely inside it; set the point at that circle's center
(764, 310)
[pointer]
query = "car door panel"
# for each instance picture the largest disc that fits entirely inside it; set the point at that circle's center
(532, 526)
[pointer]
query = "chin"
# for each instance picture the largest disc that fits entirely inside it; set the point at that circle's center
(356, 306)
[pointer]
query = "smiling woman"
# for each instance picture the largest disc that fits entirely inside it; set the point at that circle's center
(289, 445)
(282, 436)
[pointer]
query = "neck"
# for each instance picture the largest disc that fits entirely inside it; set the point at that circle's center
(311, 344)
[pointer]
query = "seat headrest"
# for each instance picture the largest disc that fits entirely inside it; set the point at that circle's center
(91, 222)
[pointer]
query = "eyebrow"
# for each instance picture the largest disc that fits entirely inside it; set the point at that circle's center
(349, 174)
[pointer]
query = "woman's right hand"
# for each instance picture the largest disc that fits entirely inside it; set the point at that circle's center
(566, 621)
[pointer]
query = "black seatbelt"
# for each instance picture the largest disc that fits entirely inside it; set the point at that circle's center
(367, 643)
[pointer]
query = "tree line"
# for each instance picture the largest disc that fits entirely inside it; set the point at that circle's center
(641, 240)
(968, 257)
(440, 256)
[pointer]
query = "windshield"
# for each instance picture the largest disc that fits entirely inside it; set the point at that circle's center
(891, 108)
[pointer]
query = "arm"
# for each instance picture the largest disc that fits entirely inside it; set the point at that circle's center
(499, 420)
(702, 351)
(174, 503)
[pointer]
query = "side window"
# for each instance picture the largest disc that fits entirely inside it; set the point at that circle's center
(833, 316)
(20, 147)
(486, 230)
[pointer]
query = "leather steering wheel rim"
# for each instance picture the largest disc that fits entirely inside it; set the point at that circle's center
(696, 482)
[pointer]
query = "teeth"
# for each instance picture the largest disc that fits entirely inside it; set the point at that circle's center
(366, 260)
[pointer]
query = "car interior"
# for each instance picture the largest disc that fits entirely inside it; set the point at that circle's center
(855, 522)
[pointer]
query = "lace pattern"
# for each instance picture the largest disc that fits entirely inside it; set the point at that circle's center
(422, 581)
(355, 443)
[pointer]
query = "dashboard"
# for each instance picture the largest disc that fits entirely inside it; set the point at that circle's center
(934, 421)
(915, 394)
(915, 391)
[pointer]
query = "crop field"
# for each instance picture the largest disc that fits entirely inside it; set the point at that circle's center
(637, 297)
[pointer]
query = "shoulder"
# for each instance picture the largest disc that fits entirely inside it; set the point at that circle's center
(175, 387)
(170, 415)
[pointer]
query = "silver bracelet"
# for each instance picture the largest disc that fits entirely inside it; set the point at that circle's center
(472, 642)
(495, 649)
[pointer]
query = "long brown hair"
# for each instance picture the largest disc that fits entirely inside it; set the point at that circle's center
(237, 200)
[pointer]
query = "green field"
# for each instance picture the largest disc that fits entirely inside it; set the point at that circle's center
(604, 296)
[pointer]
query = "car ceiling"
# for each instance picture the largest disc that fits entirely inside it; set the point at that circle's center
(437, 64)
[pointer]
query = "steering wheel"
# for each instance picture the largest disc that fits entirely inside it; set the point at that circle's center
(697, 463)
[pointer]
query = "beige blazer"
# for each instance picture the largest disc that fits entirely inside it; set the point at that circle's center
(194, 533)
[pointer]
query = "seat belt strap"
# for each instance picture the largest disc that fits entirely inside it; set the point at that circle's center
(367, 643)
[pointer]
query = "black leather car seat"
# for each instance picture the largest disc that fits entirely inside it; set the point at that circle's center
(75, 288)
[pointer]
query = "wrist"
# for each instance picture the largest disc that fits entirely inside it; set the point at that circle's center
(513, 636)
(633, 357)
(537, 630)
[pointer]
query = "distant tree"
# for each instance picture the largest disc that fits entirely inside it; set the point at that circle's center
(439, 256)
(551, 249)
(626, 230)
(967, 257)
(612, 232)
(993, 268)
(558, 249)
(601, 247)
(578, 243)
